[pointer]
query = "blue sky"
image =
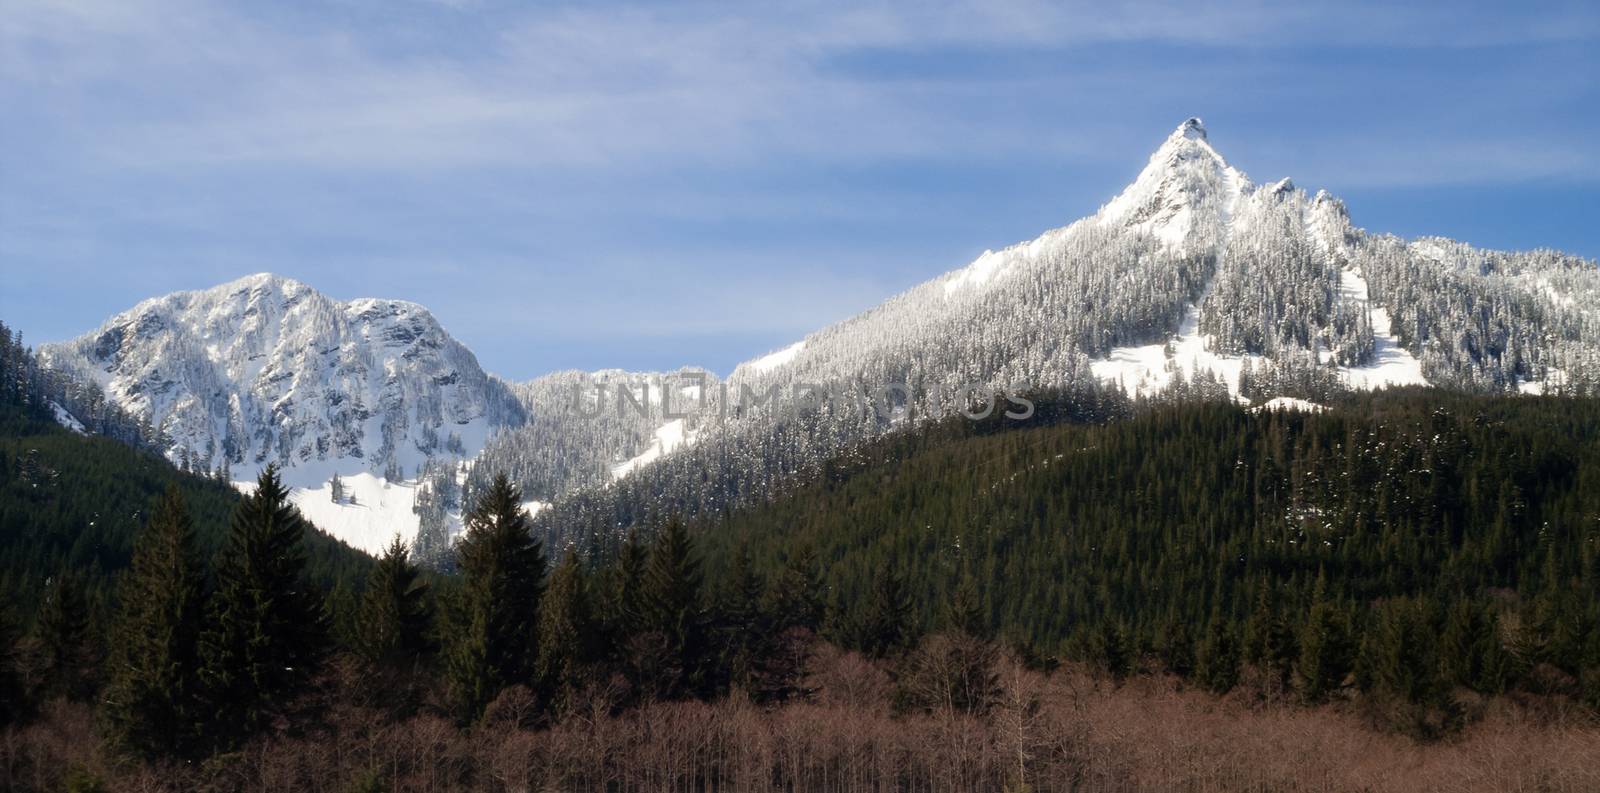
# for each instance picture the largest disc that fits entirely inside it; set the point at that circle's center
(657, 184)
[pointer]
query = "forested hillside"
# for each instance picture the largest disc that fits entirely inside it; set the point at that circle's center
(1091, 602)
(1455, 535)
(71, 501)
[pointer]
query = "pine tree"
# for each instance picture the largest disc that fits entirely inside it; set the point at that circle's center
(1326, 651)
(566, 633)
(1471, 652)
(625, 590)
(1403, 668)
(502, 569)
(336, 489)
(964, 613)
(795, 597)
(395, 617)
(153, 702)
(63, 631)
(1176, 644)
(743, 628)
(1217, 662)
(1111, 648)
(1270, 641)
(268, 631)
(674, 611)
(882, 626)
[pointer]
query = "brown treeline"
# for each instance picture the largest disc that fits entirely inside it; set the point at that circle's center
(1070, 730)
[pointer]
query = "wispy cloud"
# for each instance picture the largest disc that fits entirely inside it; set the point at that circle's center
(579, 86)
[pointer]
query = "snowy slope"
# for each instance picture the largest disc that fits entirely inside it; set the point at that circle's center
(266, 370)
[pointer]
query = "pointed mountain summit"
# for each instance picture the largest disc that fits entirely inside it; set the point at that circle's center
(1193, 252)
(1186, 188)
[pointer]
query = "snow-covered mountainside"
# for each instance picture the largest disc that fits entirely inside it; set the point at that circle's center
(267, 370)
(1194, 269)
(1193, 278)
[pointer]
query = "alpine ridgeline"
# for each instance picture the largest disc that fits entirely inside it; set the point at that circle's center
(1193, 280)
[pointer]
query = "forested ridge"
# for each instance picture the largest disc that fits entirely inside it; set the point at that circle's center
(71, 501)
(958, 600)
(1195, 528)
(960, 605)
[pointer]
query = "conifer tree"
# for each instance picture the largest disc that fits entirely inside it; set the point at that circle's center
(268, 631)
(964, 613)
(624, 595)
(882, 626)
(566, 633)
(153, 702)
(795, 597)
(395, 618)
(1471, 652)
(1326, 651)
(744, 631)
(674, 611)
(1403, 667)
(1176, 644)
(1111, 648)
(1270, 640)
(502, 569)
(63, 631)
(1217, 662)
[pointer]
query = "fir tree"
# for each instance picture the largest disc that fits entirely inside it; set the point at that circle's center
(268, 631)
(1326, 651)
(882, 626)
(795, 597)
(502, 569)
(964, 613)
(1176, 644)
(1471, 652)
(63, 631)
(675, 614)
(395, 617)
(744, 630)
(566, 633)
(1270, 640)
(625, 590)
(1217, 661)
(1403, 669)
(153, 702)
(1110, 648)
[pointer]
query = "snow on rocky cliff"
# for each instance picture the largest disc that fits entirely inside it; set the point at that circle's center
(267, 370)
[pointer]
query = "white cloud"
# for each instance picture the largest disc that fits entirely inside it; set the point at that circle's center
(583, 87)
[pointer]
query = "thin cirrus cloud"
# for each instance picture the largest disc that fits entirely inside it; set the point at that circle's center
(712, 154)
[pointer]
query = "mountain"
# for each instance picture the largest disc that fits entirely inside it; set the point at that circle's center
(267, 370)
(73, 497)
(1195, 256)
(1194, 280)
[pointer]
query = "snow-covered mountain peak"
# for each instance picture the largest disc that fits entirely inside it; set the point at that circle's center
(266, 369)
(1186, 188)
(1192, 129)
